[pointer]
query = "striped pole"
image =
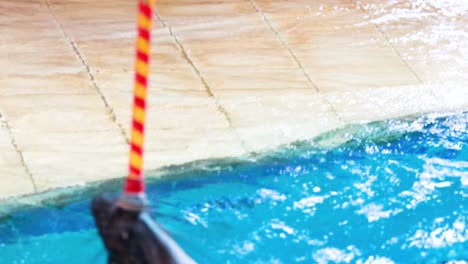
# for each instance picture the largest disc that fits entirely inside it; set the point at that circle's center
(134, 191)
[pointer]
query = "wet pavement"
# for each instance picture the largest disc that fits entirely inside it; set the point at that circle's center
(227, 78)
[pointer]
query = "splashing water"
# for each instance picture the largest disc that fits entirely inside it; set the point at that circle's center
(390, 192)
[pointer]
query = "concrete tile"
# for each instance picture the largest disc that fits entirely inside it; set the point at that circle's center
(279, 117)
(165, 147)
(118, 89)
(36, 56)
(65, 113)
(181, 122)
(385, 102)
(183, 12)
(437, 55)
(50, 54)
(113, 67)
(65, 139)
(66, 168)
(13, 177)
(106, 141)
(414, 10)
(304, 7)
(337, 50)
(107, 43)
(259, 79)
(30, 19)
(453, 96)
(172, 136)
(41, 62)
(59, 83)
(94, 10)
(235, 62)
(430, 36)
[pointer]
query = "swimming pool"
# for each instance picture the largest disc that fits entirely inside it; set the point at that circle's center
(390, 191)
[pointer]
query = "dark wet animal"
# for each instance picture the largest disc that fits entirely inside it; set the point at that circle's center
(132, 237)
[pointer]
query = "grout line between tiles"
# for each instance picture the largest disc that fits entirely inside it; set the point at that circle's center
(219, 106)
(277, 35)
(296, 60)
(20, 153)
(89, 72)
(397, 52)
(387, 39)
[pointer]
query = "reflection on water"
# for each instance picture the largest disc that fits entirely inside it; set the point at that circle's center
(394, 192)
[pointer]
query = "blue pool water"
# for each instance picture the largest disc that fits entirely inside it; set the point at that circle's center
(390, 192)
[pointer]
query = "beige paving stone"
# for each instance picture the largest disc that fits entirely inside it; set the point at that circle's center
(266, 120)
(49, 54)
(73, 141)
(300, 8)
(65, 139)
(57, 118)
(74, 168)
(23, 21)
(246, 55)
(56, 112)
(177, 96)
(384, 102)
(49, 63)
(430, 35)
(195, 12)
(180, 121)
(454, 96)
(181, 126)
(177, 148)
(109, 47)
(14, 179)
(85, 10)
(335, 48)
(114, 70)
(29, 84)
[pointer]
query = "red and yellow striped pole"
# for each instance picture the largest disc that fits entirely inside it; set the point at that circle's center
(134, 190)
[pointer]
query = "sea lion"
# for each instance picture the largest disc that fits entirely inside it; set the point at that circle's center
(132, 237)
